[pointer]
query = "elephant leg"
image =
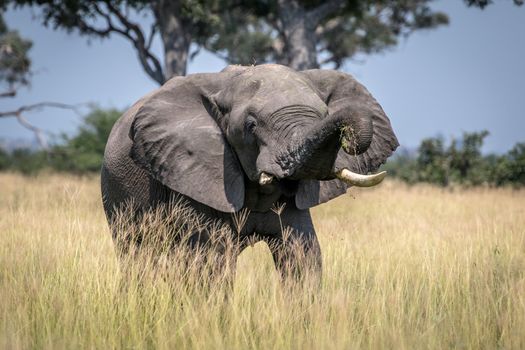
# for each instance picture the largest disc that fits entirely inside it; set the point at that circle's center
(296, 257)
(212, 259)
(294, 245)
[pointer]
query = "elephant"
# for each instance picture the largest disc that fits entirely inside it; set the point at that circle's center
(250, 138)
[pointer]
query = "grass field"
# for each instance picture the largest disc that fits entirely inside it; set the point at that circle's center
(404, 268)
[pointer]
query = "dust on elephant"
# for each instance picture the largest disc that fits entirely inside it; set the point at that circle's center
(249, 137)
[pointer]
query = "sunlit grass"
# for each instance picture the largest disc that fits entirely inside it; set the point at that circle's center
(404, 267)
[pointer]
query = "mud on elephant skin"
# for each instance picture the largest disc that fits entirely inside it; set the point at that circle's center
(247, 138)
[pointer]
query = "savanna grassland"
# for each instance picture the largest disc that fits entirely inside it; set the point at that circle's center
(404, 268)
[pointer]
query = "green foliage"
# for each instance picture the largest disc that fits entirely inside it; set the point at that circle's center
(516, 157)
(14, 60)
(81, 153)
(248, 31)
(483, 3)
(432, 162)
(402, 166)
(460, 163)
(251, 31)
(510, 169)
(250, 45)
(4, 160)
(245, 31)
(367, 27)
(465, 161)
(27, 162)
(84, 152)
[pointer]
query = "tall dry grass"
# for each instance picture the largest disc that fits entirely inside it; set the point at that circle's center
(404, 267)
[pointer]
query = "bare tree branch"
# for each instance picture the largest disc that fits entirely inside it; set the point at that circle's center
(129, 30)
(152, 33)
(195, 53)
(87, 28)
(39, 133)
(38, 106)
(9, 93)
(149, 62)
(320, 12)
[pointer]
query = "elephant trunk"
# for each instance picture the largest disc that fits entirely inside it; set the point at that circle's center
(313, 152)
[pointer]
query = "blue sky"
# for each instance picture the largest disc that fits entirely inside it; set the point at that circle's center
(467, 76)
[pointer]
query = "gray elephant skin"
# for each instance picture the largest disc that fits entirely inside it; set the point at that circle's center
(248, 137)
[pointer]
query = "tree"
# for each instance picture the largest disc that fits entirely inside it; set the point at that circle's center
(15, 71)
(432, 162)
(4, 160)
(84, 151)
(305, 34)
(178, 23)
(465, 159)
(402, 166)
(460, 163)
(483, 3)
(291, 32)
(14, 60)
(517, 164)
(510, 168)
(26, 161)
(299, 33)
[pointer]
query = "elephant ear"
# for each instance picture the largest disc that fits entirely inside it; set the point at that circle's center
(340, 90)
(176, 138)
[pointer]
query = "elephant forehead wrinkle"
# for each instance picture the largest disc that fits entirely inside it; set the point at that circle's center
(294, 111)
(206, 127)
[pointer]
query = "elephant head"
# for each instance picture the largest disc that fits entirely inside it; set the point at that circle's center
(310, 134)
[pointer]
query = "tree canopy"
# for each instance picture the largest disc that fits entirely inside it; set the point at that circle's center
(15, 72)
(302, 34)
(305, 34)
(299, 33)
(14, 60)
(483, 3)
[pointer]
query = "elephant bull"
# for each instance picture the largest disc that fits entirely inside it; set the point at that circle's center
(249, 137)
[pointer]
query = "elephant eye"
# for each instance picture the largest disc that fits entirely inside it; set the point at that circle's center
(250, 125)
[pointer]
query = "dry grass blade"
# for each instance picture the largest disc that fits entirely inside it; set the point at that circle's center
(404, 268)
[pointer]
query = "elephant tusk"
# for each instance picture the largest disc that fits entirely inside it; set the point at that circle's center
(360, 180)
(265, 179)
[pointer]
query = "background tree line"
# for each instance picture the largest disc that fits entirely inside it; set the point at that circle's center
(461, 162)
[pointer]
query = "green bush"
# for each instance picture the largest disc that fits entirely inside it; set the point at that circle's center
(459, 163)
(85, 151)
(510, 169)
(27, 161)
(432, 164)
(78, 154)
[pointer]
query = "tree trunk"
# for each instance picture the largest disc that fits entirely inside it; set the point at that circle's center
(176, 37)
(299, 36)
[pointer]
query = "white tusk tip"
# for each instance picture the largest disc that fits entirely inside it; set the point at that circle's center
(265, 179)
(360, 180)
